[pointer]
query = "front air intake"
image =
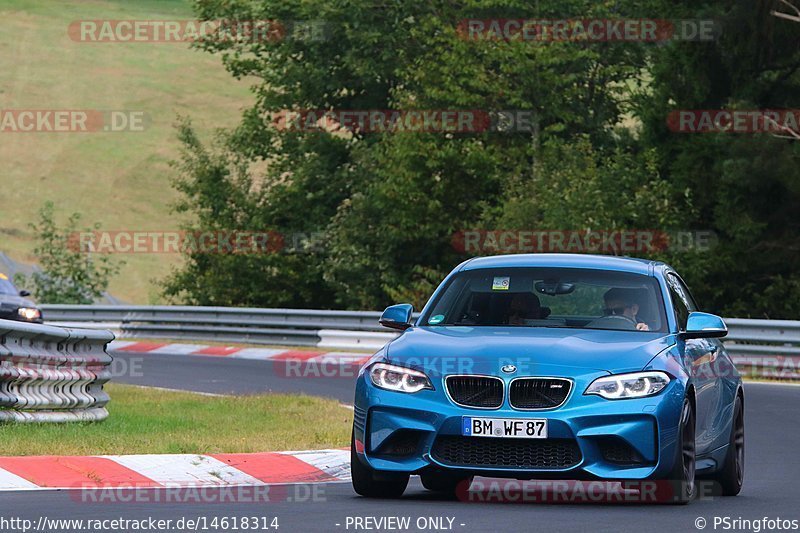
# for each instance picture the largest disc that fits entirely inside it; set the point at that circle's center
(539, 393)
(482, 392)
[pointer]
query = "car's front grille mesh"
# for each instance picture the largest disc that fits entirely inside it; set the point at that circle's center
(539, 393)
(506, 453)
(476, 391)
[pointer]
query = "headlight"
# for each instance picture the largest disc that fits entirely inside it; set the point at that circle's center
(636, 385)
(29, 313)
(398, 379)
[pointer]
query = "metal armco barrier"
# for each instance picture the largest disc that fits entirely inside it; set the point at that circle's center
(288, 327)
(52, 374)
(765, 348)
(761, 348)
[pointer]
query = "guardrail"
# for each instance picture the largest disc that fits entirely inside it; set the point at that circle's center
(765, 348)
(290, 327)
(52, 374)
(762, 348)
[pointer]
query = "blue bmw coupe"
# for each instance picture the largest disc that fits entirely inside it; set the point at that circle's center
(551, 366)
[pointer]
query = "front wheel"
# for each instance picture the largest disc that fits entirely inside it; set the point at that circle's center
(731, 476)
(682, 476)
(371, 484)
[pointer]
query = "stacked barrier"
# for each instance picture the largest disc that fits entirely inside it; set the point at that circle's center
(52, 374)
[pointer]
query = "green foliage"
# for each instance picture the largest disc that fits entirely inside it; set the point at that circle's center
(599, 157)
(576, 186)
(745, 187)
(69, 275)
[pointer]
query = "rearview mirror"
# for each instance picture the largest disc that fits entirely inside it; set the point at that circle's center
(24, 293)
(553, 288)
(704, 326)
(397, 316)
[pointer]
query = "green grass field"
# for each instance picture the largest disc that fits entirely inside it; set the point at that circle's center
(121, 180)
(147, 421)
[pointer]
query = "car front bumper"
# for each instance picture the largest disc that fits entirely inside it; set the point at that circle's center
(631, 439)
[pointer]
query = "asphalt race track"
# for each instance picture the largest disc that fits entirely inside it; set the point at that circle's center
(218, 375)
(771, 483)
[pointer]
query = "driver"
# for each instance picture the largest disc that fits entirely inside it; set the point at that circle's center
(622, 302)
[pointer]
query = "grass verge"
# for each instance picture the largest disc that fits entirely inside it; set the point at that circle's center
(156, 421)
(122, 179)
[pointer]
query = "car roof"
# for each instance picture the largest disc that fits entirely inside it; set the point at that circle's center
(599, 262)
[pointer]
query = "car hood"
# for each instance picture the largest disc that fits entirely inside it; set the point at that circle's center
(11, 300)
(534, 351)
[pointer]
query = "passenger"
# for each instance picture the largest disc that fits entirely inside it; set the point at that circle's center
(524, 306)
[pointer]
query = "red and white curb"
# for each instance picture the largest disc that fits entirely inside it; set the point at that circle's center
(169, 471)
(238, 352)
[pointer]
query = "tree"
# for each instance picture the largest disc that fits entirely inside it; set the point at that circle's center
(388, 203)
(746, 187)
(599, 154)
(69, 275)
(793, 13)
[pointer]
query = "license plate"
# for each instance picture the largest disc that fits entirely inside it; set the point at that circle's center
(513, 428)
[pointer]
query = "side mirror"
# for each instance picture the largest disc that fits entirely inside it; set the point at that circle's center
(704, 326)
(24, 293)
(397, 316)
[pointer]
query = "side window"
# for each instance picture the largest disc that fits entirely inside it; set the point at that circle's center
(680, 300)
(687, 296)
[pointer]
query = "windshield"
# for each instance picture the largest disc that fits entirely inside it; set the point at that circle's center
(550, 297)
(6, 287)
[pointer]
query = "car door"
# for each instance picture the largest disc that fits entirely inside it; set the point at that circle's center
(700, 356)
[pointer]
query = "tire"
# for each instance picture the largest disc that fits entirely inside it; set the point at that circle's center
(682, 476)
(728, 480)
(444, 483)
(371, 484)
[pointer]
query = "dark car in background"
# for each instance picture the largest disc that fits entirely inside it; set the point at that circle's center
(14, 304)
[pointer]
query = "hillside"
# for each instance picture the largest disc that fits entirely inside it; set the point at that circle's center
(121, 180)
